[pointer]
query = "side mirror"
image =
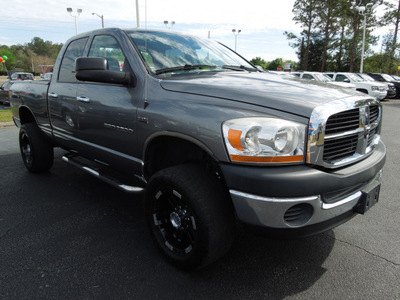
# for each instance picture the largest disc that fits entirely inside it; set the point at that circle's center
(96, 69)
(346, 80)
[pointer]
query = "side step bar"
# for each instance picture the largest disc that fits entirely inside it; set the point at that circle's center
(76, 161)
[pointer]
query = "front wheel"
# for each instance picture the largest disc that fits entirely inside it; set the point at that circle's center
(190, 215)
(37, 153)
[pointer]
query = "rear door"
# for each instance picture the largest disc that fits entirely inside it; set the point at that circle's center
(63, 106)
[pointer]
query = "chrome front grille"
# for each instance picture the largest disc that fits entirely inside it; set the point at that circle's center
(340, 147)
(343, 132)
(343, 121)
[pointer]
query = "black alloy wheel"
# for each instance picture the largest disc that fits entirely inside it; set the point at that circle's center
(190, 215)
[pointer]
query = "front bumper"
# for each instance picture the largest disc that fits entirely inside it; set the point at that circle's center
(299, 196)
(378, 94)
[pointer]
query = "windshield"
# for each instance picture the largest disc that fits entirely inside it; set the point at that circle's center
(168, 52)
(322, 77)
(366, 77)
(355, 78)
(387, 77)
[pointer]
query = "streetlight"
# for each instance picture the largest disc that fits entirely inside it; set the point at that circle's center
(172, 23)
(236, 33)
(79, 11)
(101, 17)
(363, 11)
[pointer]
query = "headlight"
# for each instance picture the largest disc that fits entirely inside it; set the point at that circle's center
(264, 140)
(374, 88)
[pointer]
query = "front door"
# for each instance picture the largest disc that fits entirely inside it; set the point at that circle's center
(107, 112)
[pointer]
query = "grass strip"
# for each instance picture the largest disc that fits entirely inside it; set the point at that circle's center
(5, 115)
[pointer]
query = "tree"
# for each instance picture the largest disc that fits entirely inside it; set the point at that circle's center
(375, 63)
(392, 17)
(273, 65)
(332, 38)
(258, 61)
(306, 13)
(356, 20)
(328, 24)
(5, 51)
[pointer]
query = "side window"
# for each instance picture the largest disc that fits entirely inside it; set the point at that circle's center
(340, 77)
(308, 76)
(107, 47)
(74, 50)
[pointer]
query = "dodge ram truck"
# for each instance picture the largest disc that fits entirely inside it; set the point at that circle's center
(212, 142)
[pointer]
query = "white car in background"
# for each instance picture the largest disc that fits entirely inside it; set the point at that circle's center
(375, 89)
(323, 78)
(391, 88)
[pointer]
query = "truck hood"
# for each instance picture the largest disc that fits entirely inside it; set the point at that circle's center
(263, 89)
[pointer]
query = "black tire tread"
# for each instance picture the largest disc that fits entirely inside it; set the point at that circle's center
(42, 151)
(212, 205)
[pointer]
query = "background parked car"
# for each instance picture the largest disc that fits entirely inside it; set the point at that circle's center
(391, 88)
(47, 76)
(397, 78)
(377, 90)
(5, 87)
(387, 78)
(22, 76)
(323, 78)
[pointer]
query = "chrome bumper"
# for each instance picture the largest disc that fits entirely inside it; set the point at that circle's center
(273, 212)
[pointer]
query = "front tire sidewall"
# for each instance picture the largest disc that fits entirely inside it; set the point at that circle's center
(205, 201)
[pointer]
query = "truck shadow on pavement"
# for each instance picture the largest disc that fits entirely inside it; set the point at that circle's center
(66, 233)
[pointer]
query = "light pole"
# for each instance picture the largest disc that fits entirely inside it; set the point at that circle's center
(137, 14)
(79, 11)
(101, 17)
(363, 11)
(236, 33)
(169, 24)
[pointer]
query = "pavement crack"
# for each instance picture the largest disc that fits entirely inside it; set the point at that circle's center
(365, 250)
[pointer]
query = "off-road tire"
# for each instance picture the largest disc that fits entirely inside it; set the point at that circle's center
(37, 153)
(190, 215)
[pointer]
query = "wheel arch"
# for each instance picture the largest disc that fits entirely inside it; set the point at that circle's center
(26, 115)
(362, 90)
(166, 149)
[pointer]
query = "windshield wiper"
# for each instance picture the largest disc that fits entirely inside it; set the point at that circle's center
(239, 68)
(184, 68)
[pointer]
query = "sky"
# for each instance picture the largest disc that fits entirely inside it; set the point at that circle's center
(262, 22)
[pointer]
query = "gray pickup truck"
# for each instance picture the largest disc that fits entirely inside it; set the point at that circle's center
(207, 137)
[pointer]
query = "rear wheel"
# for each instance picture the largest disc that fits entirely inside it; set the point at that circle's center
(190, 215)
(37, 153)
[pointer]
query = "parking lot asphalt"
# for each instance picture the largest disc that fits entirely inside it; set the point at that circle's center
(66, 235)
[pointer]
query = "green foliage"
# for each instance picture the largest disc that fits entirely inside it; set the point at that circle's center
(273, 65)
(258, 61)
(331, 36)
(30, 56)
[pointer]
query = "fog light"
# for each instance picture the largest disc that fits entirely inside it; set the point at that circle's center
(299, 214)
